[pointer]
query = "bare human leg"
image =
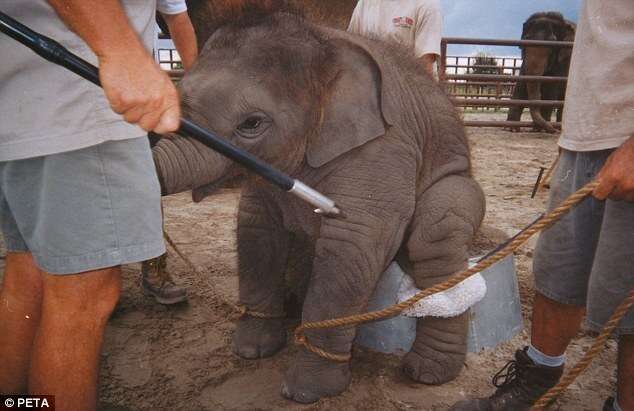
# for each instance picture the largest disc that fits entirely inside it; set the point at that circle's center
(66, 349)
(625, 376)
(20, 301)
(554, 325)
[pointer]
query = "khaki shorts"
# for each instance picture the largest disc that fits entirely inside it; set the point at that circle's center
(587, 258)
(83, 210)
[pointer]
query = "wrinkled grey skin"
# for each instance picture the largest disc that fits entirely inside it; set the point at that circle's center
(543, 61)
(358, 121)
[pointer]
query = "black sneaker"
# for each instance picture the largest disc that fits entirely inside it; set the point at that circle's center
(519, 385)
(156, 282)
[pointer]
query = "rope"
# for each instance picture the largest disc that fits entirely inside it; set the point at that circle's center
(594, 350)
(242, 310)
(180, 253)
(391, 311)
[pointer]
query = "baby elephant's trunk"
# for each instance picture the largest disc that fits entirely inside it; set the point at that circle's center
(183, 164)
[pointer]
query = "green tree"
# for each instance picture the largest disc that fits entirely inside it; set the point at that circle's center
(482, 62)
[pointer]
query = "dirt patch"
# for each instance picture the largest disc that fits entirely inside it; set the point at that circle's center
(179, 358)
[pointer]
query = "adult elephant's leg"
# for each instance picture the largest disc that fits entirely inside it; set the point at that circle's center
(547, 113)
(447, 217)
(262, 255)
(349, 257)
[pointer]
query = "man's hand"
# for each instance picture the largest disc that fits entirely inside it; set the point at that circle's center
(134, 85)
(140, 91)
(617, 175)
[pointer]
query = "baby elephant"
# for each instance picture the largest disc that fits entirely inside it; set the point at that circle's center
(359, 121)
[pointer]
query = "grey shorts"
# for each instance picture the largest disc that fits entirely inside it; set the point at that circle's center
(83, 210)
(587, 258)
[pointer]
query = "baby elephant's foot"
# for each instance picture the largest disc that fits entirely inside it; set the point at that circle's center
(431, 366)
(439, 351)
(258, 338)
(312, 377)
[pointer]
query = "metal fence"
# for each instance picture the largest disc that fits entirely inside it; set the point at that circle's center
(481, 90)
(491, 91)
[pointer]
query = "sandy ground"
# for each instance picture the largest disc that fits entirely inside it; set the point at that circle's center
(179, 358)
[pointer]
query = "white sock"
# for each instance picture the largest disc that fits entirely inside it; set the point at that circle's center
(542, 359)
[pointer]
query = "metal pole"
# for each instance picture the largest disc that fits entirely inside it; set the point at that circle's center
(58, 54)
(442, 66)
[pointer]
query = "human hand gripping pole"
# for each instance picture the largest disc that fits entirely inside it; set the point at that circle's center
(58, 54)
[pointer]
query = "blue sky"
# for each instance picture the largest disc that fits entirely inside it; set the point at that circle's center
(501, 19)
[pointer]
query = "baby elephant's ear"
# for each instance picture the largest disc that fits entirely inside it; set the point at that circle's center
(352, 113)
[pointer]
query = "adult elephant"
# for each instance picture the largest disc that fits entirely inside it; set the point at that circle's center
(543, 61)
(357, 120)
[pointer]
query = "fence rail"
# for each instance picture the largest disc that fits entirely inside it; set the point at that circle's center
(481, 84)
(510, 124)
(176, 75)
(504, 77)
(504, 42)
(470, 102)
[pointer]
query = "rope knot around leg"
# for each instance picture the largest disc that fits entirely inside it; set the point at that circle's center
(301, 340)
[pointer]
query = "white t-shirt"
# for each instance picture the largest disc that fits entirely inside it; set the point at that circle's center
(171, 6)
(416, 24)
(599, 111)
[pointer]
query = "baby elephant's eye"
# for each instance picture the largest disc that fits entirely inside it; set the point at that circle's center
(253, 125)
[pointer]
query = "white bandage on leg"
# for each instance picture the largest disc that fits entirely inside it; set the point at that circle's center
(449, 303)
